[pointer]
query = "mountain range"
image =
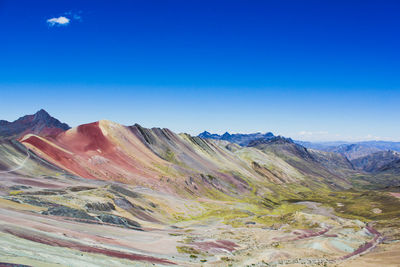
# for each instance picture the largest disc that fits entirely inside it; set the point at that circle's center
(361, 155)
(348, 149)
(132, 154)
(240, 139)
(353, 150)
(121, 194)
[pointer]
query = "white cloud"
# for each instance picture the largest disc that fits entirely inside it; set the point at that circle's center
(58, 21)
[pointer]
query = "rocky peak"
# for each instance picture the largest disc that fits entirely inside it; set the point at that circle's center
(40, 123)
(225, 136)
(238, 138)
(42, 114)
(205, 134)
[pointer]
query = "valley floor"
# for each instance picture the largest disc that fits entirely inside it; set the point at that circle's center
(68, 221)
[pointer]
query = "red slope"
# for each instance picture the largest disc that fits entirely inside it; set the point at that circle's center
(86, 151)
(55, 155)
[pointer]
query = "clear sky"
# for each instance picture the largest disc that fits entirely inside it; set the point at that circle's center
(310, 70)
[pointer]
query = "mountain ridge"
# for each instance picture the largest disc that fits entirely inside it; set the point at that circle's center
(238, 138)
(106, 150)
(378, 161)
(352, 150)
(40, 123)
(159, 158)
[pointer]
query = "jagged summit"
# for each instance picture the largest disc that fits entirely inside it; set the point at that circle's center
(208, 135)
(42, 112)
(40, 123)
(240, 139)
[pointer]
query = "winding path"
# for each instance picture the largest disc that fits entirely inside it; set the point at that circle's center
(28, 155)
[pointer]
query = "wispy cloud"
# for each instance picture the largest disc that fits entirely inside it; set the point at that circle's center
(74, 15)
(58, 21)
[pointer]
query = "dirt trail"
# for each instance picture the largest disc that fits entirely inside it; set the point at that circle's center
(28, 155)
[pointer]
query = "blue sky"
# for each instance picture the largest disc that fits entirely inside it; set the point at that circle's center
(311, 70)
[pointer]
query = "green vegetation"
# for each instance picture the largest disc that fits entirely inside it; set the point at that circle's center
(169, 155)
(15, 192)
(187, 240)
(280, 206)
(357, 204)
(226, 259)
(375, 181)
(187, 250)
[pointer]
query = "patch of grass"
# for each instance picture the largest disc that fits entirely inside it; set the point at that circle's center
(169, 156)
(276, 245)
(166, 170)
(357, 204)
(179, 216)
(187, 250)
(15, 192)
(187, 240)
(226, 259)
(228, 216)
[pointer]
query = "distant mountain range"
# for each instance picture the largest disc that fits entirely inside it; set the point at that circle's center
(378, 161)
(353, 150)
(350, 150)
(368, 156)
(240, 139)
(40, 123)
